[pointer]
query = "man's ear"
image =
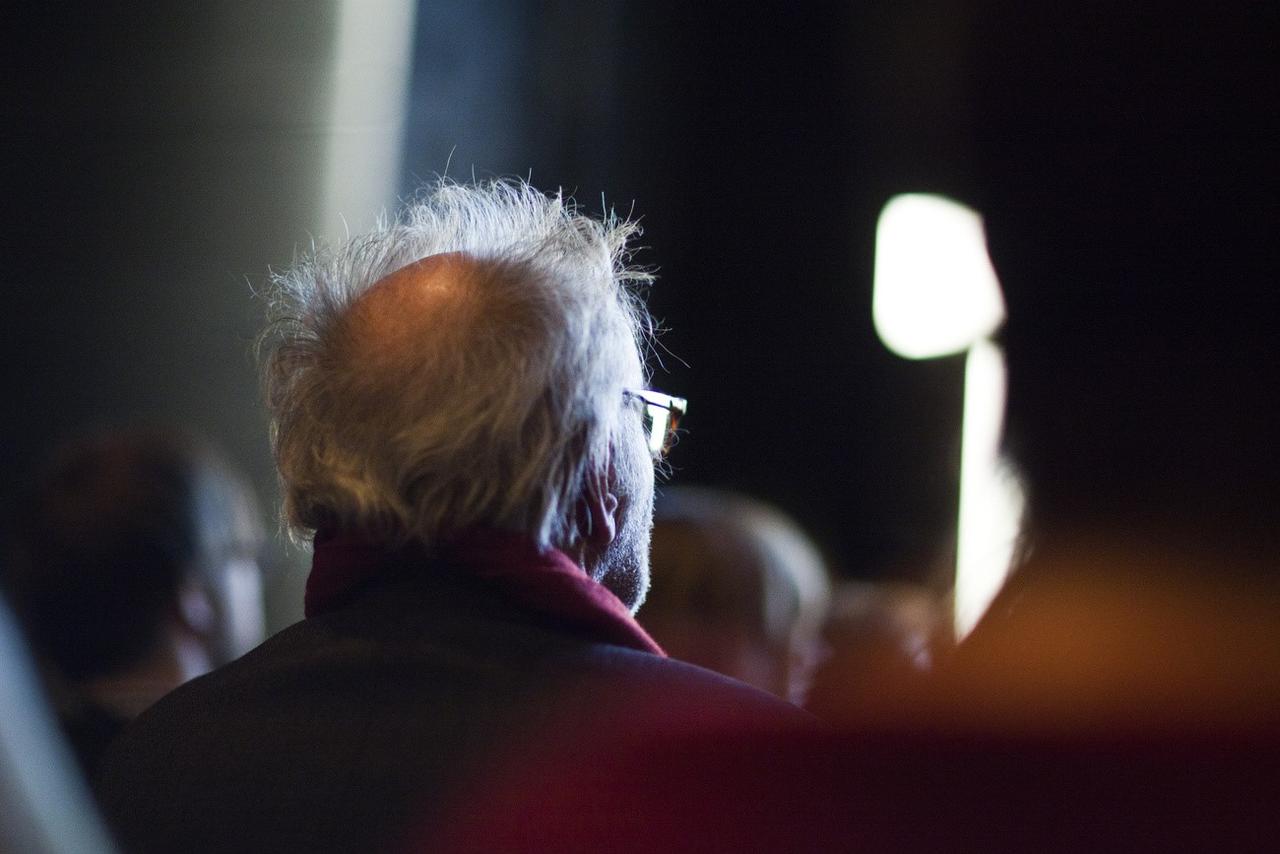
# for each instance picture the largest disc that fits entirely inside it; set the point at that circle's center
(599, 511)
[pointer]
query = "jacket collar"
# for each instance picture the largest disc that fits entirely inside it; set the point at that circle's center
(546, 582)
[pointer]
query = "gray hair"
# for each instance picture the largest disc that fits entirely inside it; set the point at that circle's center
(509, 399)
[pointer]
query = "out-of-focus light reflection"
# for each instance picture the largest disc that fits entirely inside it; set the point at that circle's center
(991, 498)
(373, 59)
(935, 292)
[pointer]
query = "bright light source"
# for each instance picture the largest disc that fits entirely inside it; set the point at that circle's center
(935, 290)
(936, 294)
(991, 498)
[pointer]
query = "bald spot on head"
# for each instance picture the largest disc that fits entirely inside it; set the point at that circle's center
(387, 322)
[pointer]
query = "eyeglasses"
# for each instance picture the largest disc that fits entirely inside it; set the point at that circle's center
(662, 414)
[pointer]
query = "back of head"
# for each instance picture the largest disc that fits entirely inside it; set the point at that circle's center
(459, 367)
(738, 588)
(1129, 187)
(110, 533)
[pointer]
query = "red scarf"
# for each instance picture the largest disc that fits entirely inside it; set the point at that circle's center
(545, 582)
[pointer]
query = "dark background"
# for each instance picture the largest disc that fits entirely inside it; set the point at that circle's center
(757, 144)
(159, 157)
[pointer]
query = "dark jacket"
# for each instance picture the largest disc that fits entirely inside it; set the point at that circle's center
(354, 728)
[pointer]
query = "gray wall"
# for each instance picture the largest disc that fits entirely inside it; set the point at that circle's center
(160, 157)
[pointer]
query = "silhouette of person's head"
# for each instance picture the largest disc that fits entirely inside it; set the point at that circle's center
(1128, 182)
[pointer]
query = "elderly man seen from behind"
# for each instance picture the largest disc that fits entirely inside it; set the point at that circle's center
(462, 425)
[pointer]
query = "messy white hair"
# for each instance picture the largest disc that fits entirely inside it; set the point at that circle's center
(506, 403)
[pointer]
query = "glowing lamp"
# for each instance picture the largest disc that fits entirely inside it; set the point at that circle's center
(935, 292)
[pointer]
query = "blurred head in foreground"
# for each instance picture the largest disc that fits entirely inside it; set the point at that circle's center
(134, 567)
(738, 588)
(1129, 186)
